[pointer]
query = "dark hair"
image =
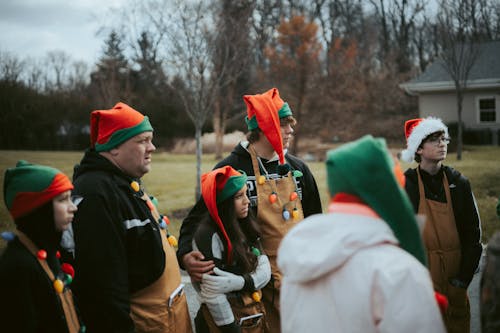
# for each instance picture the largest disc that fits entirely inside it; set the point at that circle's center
(254, 135)
(243, 234)
(417, 157)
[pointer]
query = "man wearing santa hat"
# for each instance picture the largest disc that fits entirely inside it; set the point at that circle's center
(281, 189)
(452, 229)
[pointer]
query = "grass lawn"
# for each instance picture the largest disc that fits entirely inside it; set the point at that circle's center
(172, 180)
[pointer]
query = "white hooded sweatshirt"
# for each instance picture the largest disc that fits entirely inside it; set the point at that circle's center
(344, 272)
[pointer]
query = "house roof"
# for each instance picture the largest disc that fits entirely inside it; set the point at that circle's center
(485, 73)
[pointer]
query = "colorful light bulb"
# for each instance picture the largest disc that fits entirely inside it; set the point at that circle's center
(273, 197)
(172, 240)
(58, 286)
(293, 196)
(256, 296)
(261, 180)
(135, 186)
(42, 254)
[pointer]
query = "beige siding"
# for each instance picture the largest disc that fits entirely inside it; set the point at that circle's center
(443, 105)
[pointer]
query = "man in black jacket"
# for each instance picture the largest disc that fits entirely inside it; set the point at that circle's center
(126, 267)
(452, 229)
(281, 189)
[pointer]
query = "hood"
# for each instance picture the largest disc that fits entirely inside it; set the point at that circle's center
(93, 161)
(323, 243)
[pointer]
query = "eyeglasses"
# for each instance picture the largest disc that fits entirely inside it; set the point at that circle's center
(436, 140)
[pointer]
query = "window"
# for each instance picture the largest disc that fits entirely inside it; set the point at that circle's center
(487, 110)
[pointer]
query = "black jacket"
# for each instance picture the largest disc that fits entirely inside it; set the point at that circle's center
(29, 302)
(240, 159)
(118, 248)
(466, 216)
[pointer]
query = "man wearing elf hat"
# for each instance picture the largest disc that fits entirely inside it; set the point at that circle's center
(452, 228)
(281, 189)
(360, 267)
(128, 276)
(34, 285)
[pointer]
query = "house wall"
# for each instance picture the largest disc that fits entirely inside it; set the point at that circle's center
(443, 105)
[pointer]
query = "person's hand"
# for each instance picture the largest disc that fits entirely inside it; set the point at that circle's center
(196, 266)
(221, 283)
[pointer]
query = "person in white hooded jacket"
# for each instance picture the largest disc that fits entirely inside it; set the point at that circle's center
(361, 267)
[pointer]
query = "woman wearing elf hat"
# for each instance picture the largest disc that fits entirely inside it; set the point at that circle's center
(452, 229)
(361, 267)
(129, 278)
(229, 236)
(34, 286)
(281, 189)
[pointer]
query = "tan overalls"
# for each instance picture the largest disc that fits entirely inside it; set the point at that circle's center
(273, 228)
(66, 297)
(149, 307)
(444, 253)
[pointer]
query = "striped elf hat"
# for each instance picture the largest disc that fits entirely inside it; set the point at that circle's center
(217, 186)
(110, 128)
(264, 111)
(365, 169)
(29, 186)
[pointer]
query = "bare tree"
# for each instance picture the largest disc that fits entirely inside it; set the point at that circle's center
(460, 50)
(190, 46)
(58, 62)
(397, 21)
(34, 74)
(342, 19)
(11, 67)
(231, 58)
(266, 17)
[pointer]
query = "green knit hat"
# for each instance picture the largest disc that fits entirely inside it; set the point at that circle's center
(364, 168)
(29, 186)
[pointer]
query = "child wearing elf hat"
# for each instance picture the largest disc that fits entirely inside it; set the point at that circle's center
(129, 279)
(281, 189)
(229, 236)
(361, 267)
(34, 286)
(452, 228)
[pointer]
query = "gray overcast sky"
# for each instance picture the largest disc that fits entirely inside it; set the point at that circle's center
(33, 27)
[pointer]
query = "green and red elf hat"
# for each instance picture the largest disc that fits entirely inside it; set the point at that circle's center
(365, 169)
(110, 128)
(264, 111)
(29, 186)
(217, 186)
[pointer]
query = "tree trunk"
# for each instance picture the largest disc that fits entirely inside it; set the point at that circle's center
(198, 162)
(459, 129)
(218, 128)
(298, 116)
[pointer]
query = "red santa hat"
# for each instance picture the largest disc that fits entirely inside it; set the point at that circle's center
(264, 111)
(416, 130)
